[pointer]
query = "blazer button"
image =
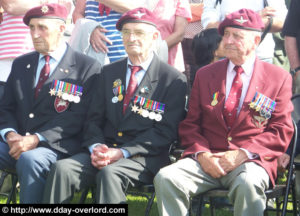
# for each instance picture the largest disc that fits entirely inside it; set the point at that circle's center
(27, 133)
(120, 134)
(229, 138)
(31, 115)
(115, 145)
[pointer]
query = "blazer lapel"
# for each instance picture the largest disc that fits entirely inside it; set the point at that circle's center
(257, 83)
(118, 107)
(148, 84)
(63, 70)
(218, 85)
(30, 77)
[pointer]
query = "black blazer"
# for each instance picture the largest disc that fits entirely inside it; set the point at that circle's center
(140, 136)
(21, 111)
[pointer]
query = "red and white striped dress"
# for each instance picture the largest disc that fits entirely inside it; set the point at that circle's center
(15, 38)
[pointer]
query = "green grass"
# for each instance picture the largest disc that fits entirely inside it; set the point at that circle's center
(137, 206)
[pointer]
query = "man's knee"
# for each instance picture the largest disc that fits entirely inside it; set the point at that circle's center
(166, 175)
(107, 173)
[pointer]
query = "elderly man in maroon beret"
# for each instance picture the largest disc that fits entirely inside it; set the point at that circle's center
(134, 116)
(44, 102)
(238, 123)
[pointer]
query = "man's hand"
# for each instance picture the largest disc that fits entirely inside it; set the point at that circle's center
(103, 156)
(12, 137)
(99, 156)
(266, 13)
(19, 144)
(210, 164)
(282, 162)
(98, 40)
(230, 160)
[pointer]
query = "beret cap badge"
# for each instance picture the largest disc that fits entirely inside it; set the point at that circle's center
(241, 20)
(45, 9)
(139, 14)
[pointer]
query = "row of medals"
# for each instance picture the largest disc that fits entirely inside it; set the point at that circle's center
(146, 113)
(65, 96)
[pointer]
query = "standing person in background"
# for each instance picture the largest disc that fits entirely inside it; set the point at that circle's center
(104, 37)
(194, 27)
(214, 12)
(291, 32)
(172, 19)
(207, 48)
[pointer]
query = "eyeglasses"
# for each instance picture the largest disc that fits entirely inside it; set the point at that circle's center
(137, 33)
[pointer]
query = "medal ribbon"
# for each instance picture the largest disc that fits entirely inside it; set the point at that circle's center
(215, 96)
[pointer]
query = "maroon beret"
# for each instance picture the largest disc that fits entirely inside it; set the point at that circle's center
(50, 11)
(138, 15)
(243, 19)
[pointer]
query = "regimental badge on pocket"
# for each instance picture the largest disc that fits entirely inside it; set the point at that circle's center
(60, 104)
(264, 106)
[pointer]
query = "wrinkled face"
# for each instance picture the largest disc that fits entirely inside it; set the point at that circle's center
(239, 44)
(46, 34)
(139, 38)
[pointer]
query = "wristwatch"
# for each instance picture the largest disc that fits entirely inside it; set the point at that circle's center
(294, 71)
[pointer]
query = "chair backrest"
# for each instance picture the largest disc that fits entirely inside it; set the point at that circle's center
(296, 102)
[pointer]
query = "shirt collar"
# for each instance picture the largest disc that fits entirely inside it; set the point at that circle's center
(248, 66)
(145, 65)
(58, 53)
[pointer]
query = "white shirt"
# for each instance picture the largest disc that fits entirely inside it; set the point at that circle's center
(246, 77)
(218, 13)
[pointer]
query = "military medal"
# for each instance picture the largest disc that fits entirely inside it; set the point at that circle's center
(265, 106)
(66, 91)
(152, 115)
(118, 90)
(134, 108)
(115, 99)
(117, 83)
(214, 102)
(52, 92)
(148, 108)
(145, 113)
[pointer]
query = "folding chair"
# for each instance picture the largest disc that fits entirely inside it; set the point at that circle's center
(12, 194)
(146, 191)
(276, 192)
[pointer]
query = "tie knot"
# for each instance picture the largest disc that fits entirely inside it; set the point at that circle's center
(47, 58)
(135, 69)
(239, 70)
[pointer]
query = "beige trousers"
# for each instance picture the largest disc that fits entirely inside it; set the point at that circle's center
(176, 183)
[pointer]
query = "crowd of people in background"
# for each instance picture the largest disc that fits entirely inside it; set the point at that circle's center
(120, 74)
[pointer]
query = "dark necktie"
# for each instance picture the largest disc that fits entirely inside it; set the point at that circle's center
(131, 86)
(43, 76)
(103, 8)
(233, 100)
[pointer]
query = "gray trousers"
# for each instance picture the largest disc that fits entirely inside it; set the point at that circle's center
(77, 172)
(175, 184)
